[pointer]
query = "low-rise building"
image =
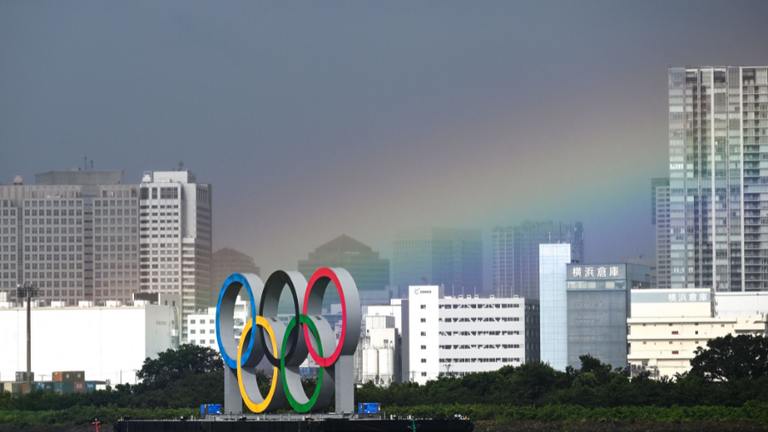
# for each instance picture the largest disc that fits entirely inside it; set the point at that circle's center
(107, 342)
(667, 325)
(202, 325)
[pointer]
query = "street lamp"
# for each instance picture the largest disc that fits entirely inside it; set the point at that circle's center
(27, 291)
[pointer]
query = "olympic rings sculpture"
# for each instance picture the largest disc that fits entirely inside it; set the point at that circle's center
(283, 342)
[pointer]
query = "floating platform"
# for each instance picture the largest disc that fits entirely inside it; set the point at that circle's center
(273, 424)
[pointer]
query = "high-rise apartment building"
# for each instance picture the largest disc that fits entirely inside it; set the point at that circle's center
(438, 256)
(717, 138)
(515, 260)
(175, 242)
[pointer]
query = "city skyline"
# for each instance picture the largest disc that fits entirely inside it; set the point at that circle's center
(366, 119)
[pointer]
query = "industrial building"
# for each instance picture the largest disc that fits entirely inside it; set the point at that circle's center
(378, 354)
(107, 342)
(667, 325)
(461, 335)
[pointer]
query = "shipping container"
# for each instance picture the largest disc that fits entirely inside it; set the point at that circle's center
(69, 376)
(46, 386)
(90, 386)
(22, 376)
(58, 387)
(16, 388)
(67, 387)
(79, 386)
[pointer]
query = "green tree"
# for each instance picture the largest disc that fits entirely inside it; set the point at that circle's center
(173, 365)
(732, 358)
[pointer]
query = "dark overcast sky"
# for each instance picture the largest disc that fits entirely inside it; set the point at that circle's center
(313, 119)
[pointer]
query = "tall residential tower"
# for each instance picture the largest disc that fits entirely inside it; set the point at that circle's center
(718, 184)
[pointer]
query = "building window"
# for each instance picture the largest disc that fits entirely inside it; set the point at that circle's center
(674, 332)
(423, 360)
(423, 374)
(423, 320)
(674, 352)
(423, 306)
(423, 347)
(423, 333)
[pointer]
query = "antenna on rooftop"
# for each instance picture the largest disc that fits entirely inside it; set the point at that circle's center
(91, 164)
(85, 161)
(181, 164)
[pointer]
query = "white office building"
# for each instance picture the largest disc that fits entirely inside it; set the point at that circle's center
(463, 335)
(176, 239)
(107, 342)
(202, 326)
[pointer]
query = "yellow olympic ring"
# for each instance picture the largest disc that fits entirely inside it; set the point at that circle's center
(257, 407)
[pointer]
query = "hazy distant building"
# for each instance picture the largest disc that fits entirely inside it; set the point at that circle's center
(438, 256)
(370, 272)
(176, 238)
(224, 262)
(515, 254)
(717, 139)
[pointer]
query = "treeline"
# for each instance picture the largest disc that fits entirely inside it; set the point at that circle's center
(749, 412)
(594, 385)
(730, 371)
(728, 380)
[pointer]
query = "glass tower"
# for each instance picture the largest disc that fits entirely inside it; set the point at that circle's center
(718, 166)
(553, 304)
